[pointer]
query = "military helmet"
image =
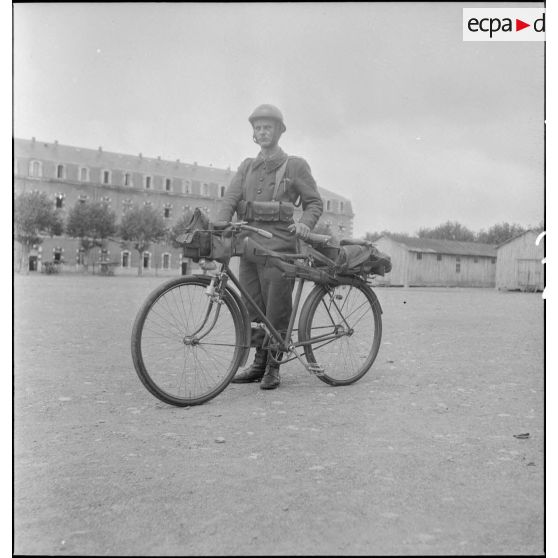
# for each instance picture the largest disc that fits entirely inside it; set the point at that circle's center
(268, 111)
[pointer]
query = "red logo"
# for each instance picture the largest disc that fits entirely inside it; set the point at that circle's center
(519, 25)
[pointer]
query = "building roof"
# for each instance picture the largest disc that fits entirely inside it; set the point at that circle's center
(456, 247)
(530, 231)
(55, 151)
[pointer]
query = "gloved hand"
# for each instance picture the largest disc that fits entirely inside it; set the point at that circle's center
(300, 229)
(220, 225)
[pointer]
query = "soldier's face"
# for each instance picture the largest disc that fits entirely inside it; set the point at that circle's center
(266, 132)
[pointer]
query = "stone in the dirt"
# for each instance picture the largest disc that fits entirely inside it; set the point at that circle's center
(220, 440)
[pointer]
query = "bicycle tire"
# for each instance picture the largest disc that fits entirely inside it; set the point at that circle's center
(347, 306)
(170, 364)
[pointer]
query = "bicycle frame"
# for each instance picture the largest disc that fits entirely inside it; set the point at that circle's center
(283, 344)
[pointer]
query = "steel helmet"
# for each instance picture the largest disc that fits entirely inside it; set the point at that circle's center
(268, 111)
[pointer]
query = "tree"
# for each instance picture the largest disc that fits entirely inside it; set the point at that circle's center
(500, 233)
(92, 223)
(34, 217)
(448, 231)
(141, 227)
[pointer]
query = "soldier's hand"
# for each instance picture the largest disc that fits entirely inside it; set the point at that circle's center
(300, 229)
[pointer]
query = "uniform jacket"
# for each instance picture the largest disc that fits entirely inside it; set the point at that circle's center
(255, 181)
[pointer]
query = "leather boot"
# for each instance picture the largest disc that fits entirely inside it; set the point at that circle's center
(254, 372)
(271, 379)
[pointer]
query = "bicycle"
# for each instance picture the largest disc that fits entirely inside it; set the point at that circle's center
(192, 333)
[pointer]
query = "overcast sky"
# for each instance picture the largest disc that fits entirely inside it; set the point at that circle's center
(385, 101)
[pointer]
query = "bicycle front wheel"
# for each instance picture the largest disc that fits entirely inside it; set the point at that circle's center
(187, 345)
(342, 325)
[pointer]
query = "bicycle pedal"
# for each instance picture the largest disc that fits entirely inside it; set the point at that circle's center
(315, 368)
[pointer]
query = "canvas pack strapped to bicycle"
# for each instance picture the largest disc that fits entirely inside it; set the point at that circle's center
(199, 241)
(350, 257)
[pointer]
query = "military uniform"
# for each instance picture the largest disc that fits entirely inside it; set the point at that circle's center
(255, 182)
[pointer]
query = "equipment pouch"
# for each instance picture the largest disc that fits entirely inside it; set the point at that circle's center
(272, 211)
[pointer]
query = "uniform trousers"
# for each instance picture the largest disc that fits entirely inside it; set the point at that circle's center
(271, 292)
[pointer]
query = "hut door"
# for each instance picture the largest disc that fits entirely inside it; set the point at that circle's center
(529, 275)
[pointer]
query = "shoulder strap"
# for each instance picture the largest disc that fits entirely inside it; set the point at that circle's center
(279, 178)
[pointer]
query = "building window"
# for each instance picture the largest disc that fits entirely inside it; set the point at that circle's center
(103, 255)
(439, 257)
(205, 190)
(125, 258)
(80, 256)
(147, 183)
(419, 255)
(187, 187)
(222, 190)
(106, 177)
(166, 261)
(167, 212)
(60, 171)
(35, 169)
(59, 201)
(341, 207)
(328, 205)
(493, 260)
(168, 185)
(84, 174)
(457, 259)
(57, 254)
(475, 260)
(457, 267)
(146, 260)
(127, 179)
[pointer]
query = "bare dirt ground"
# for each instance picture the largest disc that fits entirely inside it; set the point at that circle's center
(418, 457)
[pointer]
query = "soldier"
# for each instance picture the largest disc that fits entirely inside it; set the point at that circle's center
(264, 192)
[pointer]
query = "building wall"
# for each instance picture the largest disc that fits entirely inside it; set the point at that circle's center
(398, 276)
(191, 186)
(449, 270)
(429, 270)
(519, 264)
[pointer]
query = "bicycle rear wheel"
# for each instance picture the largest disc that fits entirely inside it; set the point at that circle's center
(344, 325)
(186, 345)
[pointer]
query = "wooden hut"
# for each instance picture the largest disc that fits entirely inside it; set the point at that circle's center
(421, 262)
(519, 266)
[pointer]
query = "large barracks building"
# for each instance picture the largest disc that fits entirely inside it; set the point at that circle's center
(70, 175)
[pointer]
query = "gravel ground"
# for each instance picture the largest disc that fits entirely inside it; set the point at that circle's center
(418, 457)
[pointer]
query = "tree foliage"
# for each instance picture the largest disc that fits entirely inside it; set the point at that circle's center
(140, 227)
(500, 233)
(34, 217)
(496, 234)
(450, 230)
(92, 223)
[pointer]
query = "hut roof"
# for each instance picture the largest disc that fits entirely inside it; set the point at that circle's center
(454, 247)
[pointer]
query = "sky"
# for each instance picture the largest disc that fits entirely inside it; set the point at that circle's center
(386, 102)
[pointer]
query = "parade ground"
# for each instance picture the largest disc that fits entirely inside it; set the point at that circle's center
(438, 450)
